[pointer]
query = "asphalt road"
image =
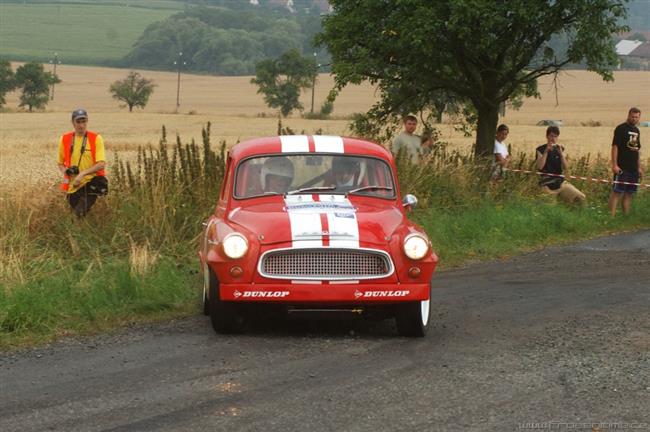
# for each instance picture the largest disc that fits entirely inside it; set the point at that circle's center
(560, 335)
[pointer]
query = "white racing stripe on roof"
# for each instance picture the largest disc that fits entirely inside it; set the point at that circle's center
(328, 143)
(294, 143)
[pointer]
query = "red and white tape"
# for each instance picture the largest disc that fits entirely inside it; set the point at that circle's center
(576, 177)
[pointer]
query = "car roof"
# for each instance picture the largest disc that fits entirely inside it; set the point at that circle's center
(287, 144)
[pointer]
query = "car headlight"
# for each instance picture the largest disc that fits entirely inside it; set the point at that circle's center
(416, 246)
(235, 245)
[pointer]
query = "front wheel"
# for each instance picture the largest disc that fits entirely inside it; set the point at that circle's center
(413, 318)
(223, 315)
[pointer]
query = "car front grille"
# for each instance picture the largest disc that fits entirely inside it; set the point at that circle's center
(325, 264)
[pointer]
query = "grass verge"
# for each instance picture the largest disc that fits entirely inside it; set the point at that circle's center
(496, 230)
(91, 296)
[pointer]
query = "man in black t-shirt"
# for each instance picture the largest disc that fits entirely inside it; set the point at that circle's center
(626, 161)
(551, 160)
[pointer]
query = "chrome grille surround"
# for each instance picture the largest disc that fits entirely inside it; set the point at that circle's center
(325, 263)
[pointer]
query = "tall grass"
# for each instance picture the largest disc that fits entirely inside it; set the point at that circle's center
(451, 178)
(169, 190)
(133, 257)
(468, 216)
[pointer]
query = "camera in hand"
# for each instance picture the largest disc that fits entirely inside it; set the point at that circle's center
(73, 170)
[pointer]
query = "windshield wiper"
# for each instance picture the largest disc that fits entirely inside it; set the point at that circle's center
(267, 193)
(371, 187)
(311, 189)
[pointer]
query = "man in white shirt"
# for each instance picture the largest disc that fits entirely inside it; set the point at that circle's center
(501, 155)
(407, 139)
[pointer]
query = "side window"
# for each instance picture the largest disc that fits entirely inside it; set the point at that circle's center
(248, 178)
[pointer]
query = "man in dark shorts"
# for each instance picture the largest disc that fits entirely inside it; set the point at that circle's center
(626, 161)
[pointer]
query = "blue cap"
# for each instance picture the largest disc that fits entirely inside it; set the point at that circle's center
(79, 113)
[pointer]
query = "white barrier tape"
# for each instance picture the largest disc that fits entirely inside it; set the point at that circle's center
(576, 177)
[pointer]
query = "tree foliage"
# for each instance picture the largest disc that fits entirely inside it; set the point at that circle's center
(280, 80)
(221, 41)
(7, 80)
(34, 83)
(134, 90)
(482, 52)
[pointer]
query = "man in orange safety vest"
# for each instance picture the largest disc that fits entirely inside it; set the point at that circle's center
(82, 162)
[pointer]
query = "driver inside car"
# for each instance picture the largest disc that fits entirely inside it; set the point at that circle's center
(277, 175)
(345, 171)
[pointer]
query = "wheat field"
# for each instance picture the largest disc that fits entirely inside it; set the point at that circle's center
(28, 140)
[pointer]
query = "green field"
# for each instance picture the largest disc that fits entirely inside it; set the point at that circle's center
(81, 32)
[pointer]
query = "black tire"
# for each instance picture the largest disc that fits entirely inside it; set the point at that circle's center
(413, 319)
(223, 315)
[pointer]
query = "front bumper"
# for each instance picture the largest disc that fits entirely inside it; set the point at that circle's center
(325, 292)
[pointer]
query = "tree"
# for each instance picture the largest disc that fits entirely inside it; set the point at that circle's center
(280, 80)
(134, 90)
(484, 52)
(222, 40)
(7, 80)
(35, 83)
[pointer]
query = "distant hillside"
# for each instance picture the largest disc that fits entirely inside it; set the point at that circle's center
(81, 32)
(150, 33)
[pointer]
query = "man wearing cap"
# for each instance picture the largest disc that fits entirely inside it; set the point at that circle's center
(81, 162)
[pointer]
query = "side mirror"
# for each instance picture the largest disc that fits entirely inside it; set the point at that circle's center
(410, 201)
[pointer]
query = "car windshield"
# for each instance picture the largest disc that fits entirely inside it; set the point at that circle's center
(290, 174)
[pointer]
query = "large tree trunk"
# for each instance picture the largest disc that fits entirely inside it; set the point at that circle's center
(488, 116)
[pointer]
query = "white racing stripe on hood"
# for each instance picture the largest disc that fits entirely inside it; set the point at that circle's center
(328, 144)
(294, 143)
(306, 228)
(305, 220)
(342, 222)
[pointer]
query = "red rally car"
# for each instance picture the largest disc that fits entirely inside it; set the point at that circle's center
(315, 224)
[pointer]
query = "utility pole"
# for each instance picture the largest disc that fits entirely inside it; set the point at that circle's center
(313, 85)
(54, 62)
(179, 63)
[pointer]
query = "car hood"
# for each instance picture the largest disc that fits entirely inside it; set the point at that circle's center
(308, 221)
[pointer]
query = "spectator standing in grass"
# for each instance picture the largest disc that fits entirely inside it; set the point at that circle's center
(551, 160)
(81, 162)
(626, 161)
(408, 140)
(501, 154)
